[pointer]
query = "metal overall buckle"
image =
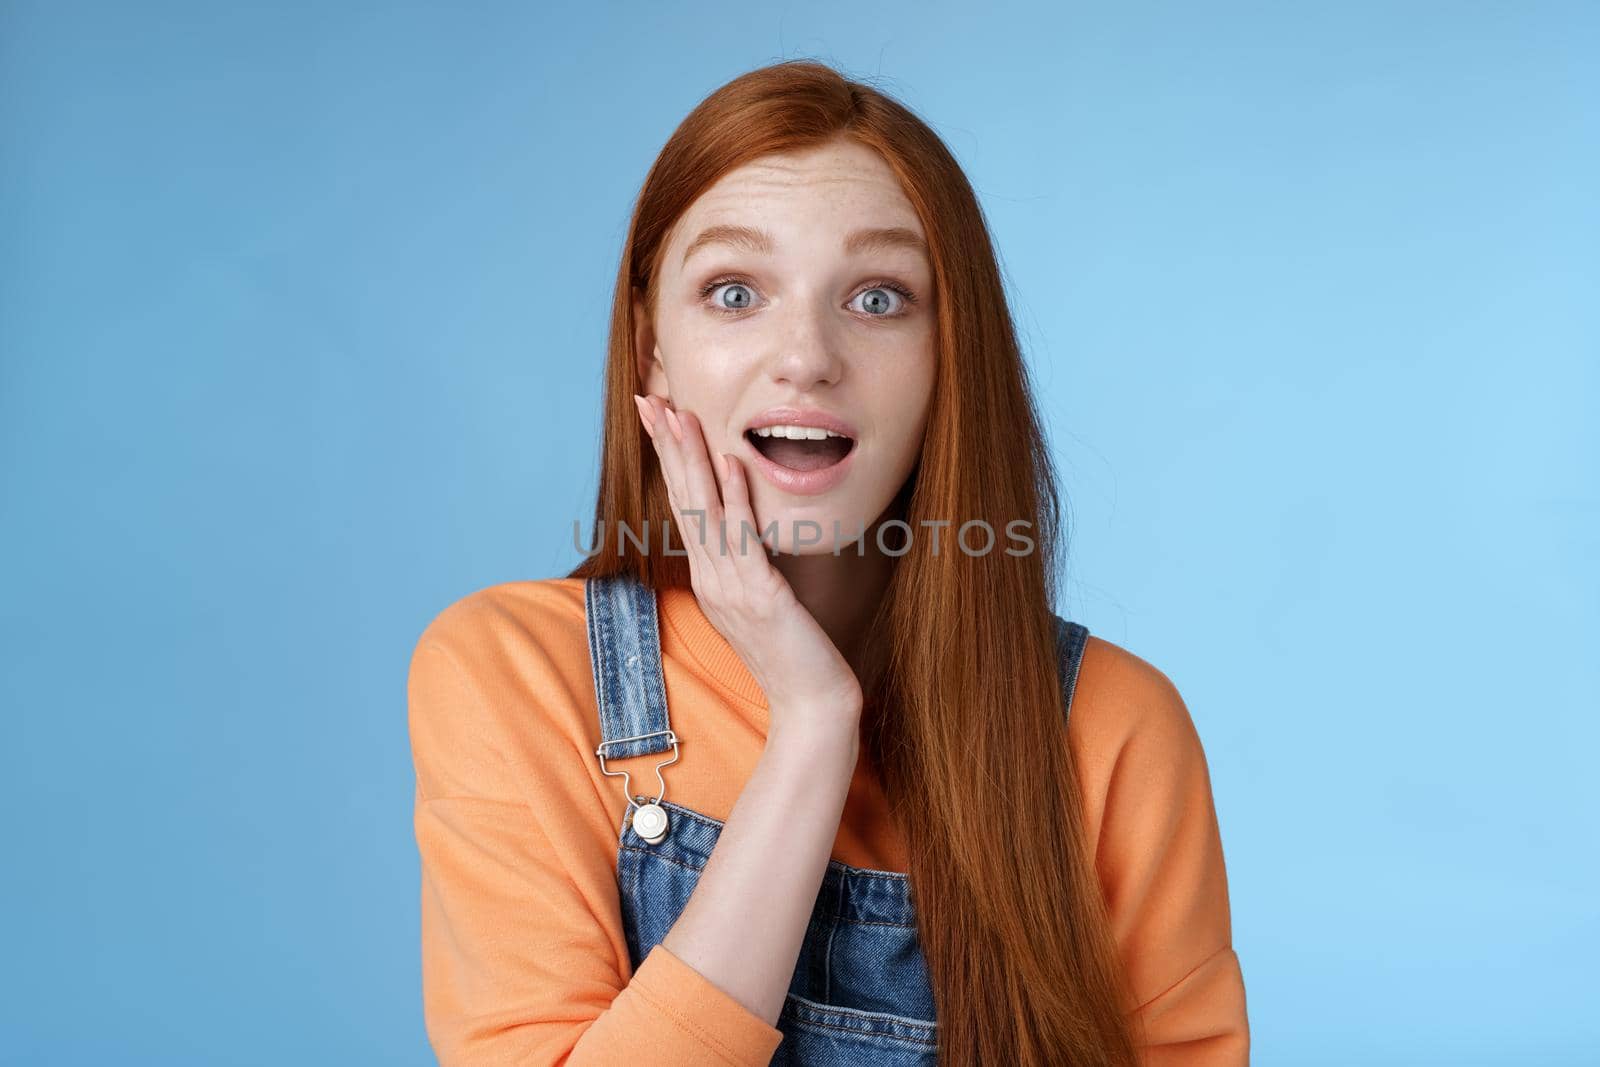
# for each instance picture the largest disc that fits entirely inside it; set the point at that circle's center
(649, 817)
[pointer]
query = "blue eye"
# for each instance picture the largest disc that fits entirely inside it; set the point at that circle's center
(876, 298)
(878, 304)
(733, 287)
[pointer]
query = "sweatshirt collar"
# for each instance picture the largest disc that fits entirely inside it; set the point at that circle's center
(706, 647)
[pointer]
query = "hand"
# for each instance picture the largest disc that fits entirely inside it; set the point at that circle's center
(742, 594)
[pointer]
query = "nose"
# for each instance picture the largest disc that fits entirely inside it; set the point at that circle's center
(804, 355)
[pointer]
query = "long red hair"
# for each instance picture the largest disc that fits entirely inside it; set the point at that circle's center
(973, 749)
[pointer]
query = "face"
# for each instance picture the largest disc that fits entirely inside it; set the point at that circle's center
(797, 292)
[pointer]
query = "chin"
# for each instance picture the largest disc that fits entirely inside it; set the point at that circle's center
(815, 525)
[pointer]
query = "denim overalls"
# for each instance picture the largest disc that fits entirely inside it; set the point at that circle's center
(860, 994)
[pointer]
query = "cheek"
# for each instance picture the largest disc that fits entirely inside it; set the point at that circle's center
(704, 382)
(901, 382)
(697, 364)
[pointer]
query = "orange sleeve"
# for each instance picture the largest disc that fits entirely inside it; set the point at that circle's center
(1159, 858)
(523, 956)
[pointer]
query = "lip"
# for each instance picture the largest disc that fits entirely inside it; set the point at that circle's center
(800, 483)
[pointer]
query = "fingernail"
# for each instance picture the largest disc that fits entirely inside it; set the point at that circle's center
(722, 465)
(677, 427)
(644, 414)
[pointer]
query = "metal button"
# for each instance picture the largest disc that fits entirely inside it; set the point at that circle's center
(650, 822)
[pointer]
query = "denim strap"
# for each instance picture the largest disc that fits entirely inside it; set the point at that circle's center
(625, 655)
(1071, 639)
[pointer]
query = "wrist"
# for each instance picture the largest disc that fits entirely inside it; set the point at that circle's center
(813, 732)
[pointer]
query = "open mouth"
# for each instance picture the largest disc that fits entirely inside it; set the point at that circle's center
(800, 448)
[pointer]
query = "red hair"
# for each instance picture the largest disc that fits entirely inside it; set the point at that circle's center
(973, 751)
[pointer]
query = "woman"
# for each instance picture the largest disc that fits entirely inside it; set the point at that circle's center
(853, 794)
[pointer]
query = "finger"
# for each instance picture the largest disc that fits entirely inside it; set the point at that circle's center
(667, 454)
(745, 546)
(680, 495)
(646, 415)
(727, 545)
(700, 480)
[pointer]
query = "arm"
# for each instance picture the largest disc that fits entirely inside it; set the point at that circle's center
(523, 955)
(1159, 857)
(747, 916)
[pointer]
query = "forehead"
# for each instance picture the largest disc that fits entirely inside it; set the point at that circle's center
(814, 198)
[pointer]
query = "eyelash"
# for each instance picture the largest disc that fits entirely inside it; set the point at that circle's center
(907, 295)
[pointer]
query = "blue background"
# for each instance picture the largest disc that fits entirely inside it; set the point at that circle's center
(303, 312)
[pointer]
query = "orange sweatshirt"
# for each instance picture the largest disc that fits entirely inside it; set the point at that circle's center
(524, 959)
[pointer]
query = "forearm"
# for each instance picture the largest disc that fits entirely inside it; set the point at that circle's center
(744, 923)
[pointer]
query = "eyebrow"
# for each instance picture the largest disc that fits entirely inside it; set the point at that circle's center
(759, 242)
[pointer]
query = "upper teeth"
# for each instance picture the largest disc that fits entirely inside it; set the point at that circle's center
(796, 433)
